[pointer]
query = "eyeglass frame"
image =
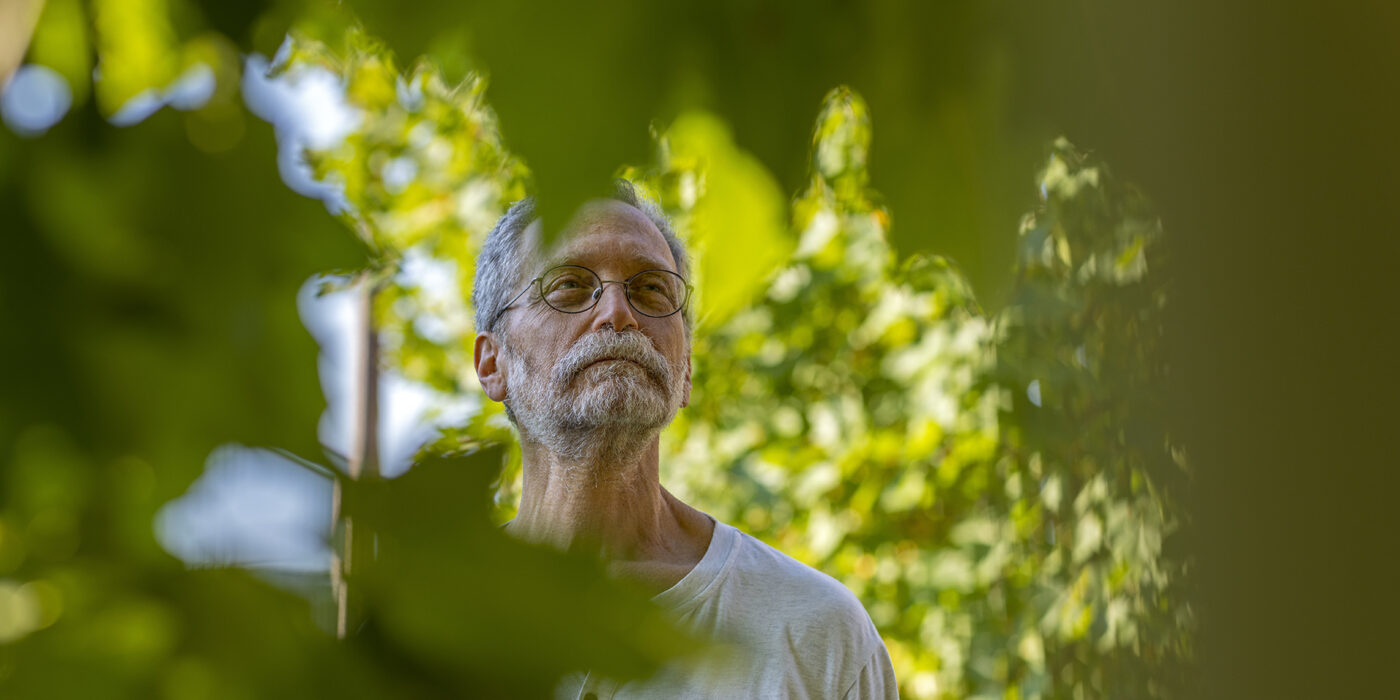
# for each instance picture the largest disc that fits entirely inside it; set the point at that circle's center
(597, 293)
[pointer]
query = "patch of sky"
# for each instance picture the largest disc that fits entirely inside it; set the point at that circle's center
(190, 91)
(398, 173)
(410, 412)
(308, 110)
(35, 99)
(1033, 392)
(445, 319)
(260, 509)
(409, 93)
(255, 507)
(251, 507)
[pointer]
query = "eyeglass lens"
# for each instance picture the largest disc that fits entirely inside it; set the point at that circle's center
(572, 289)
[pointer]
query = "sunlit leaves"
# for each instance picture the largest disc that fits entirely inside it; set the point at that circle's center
(425, 177)
(864, 402)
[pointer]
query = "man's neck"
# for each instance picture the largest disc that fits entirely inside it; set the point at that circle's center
(616, 508)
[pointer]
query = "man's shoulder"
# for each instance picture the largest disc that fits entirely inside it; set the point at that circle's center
(784, 629)
(775, 579)
(757, 557)
(789, 610)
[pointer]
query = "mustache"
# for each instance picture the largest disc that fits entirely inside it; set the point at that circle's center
(607, 345)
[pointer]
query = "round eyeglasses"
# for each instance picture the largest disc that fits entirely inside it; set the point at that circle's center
(574, 289)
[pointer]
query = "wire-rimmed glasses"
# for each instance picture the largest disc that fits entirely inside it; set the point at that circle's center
(574, 289)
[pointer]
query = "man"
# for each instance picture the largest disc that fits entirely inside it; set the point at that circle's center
(588, 346)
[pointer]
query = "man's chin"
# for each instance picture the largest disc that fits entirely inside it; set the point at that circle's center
(621, 378)
(608, 407)
(620, 403)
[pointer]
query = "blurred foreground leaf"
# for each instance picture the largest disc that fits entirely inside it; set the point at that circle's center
(480, 614)
(152, 289)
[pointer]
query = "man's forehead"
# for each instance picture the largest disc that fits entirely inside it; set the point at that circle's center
(610, 231)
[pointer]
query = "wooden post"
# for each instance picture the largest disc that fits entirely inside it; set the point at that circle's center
(354, 551)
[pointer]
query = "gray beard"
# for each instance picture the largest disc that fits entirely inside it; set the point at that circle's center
(604, 413)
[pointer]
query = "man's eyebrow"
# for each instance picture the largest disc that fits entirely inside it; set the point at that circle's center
(553, 262)
(640, 261)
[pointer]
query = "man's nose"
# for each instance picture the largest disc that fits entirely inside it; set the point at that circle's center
(613, 308)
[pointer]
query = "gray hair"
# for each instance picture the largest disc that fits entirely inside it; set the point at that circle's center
(500, 266)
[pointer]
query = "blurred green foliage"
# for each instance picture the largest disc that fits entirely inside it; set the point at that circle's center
(1000, 488)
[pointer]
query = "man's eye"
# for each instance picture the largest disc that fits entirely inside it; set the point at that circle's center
(565, 283)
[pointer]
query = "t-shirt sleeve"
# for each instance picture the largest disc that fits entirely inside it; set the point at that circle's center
(876, 678)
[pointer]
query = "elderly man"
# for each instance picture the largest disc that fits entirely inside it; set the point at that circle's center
(588, 345)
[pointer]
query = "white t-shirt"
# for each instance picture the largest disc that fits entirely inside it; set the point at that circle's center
(785, 630)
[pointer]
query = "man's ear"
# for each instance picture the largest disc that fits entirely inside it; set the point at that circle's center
(685, 395)
(488, 371)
